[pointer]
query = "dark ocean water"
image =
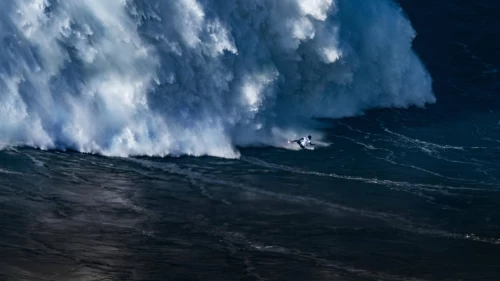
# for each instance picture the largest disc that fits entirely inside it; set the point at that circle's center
(406, 194)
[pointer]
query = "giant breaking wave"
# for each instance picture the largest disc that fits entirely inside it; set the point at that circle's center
(197, 77)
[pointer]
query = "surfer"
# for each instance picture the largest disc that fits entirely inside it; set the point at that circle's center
(303, 142)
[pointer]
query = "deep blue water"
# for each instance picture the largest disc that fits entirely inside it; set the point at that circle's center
(400, 194)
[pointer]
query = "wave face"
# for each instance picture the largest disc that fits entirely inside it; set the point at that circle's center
(197, 77)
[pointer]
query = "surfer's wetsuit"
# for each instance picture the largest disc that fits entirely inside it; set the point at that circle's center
(303, 142)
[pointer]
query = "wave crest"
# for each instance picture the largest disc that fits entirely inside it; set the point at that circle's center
(197, 77)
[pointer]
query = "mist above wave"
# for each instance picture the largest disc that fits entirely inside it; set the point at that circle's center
(197, 77)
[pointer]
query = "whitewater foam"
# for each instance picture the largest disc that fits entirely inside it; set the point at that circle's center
(197, 77)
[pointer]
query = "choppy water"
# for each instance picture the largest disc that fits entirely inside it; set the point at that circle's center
(389, 199)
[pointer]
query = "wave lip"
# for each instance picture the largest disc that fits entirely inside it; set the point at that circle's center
(197, 77)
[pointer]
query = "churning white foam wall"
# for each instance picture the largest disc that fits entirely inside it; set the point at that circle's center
(197, 77)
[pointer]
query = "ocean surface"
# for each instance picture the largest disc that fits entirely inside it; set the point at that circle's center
(149, 143)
